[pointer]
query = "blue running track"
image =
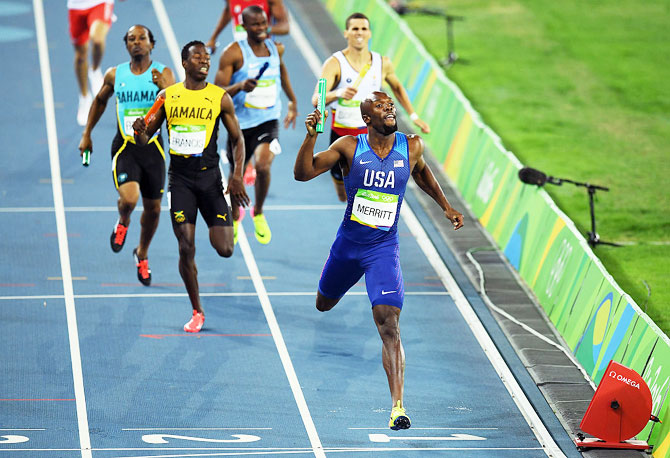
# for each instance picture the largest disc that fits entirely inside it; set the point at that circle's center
(95, 364)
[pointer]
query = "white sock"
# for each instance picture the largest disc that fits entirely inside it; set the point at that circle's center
(96, 79)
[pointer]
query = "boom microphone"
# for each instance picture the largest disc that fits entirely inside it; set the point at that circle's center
(534, 176)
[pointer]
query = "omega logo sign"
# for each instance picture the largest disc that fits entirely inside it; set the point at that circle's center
(623, 379)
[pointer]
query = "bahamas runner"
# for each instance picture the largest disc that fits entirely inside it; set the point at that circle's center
(136, 169)
(193, 110)
(352, 74)
(257, 105)
(376, 168)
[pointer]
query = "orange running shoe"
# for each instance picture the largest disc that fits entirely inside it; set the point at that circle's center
(118, 237)
(196, 322)
(250, 175)
(143, 271)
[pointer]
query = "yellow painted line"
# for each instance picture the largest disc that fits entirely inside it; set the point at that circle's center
(492, 203)
(457, 148)
(502, 220)
(554, 233)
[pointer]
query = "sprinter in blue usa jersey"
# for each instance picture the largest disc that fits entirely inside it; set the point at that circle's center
(376, 167)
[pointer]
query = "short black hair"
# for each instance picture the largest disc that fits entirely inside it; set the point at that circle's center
(151, 35)
(184, 50)
(355, 16)
(252, 9)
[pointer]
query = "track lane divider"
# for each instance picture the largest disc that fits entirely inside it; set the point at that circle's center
(284, 356)
(250, 261)
(59, 210)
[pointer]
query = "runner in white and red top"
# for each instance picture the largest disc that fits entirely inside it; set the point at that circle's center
(352, 74)
(89, 22)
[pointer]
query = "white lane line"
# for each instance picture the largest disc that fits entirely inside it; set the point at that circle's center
(276, 293)
(194, 429)
(56, 187)
(22, 429)
(432, 429)
(483, 338)
(170, 38)
(271, 451)
(317, 448)
(305, 46)
(164, 208)
(284, 356)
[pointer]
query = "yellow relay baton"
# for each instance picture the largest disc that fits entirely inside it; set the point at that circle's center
(361, 75)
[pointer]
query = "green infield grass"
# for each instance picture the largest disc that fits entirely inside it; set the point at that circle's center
(578, 90)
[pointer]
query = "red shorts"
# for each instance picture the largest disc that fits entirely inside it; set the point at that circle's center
(81, 21)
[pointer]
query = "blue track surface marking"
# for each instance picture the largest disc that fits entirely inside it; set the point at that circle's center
(268, 375)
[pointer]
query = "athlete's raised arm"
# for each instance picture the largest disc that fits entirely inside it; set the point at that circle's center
(309, 165)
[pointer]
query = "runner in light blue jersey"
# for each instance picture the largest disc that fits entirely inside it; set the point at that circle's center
(252, 71)
(136, 170)
(376, 167)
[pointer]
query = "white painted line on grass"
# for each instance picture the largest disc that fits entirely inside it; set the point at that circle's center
(56, 187)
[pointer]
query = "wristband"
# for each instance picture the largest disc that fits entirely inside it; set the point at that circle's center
(340, 93)
(414, 116)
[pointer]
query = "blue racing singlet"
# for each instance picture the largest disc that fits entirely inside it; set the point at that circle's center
(263, 103)
(375, 189)
(135, 94)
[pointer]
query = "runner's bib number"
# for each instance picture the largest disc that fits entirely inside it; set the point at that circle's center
(348, 114)
(129, 117)
(374, 209)
(188, 140)
(263, 96)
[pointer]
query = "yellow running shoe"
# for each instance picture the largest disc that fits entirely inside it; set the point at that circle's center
(236, 224)
(263, 234)
(399, 419)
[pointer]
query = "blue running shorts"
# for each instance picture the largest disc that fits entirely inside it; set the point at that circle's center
(347, 263)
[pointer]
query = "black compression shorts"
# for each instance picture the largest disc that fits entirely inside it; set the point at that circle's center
(193, 191)
(142, 164)
(268, 132)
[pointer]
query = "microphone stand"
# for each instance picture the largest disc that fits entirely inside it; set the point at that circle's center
(594, 238)
(451, 52)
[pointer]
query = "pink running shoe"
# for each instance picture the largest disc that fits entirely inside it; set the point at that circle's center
(196, 322)
(250, 175)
